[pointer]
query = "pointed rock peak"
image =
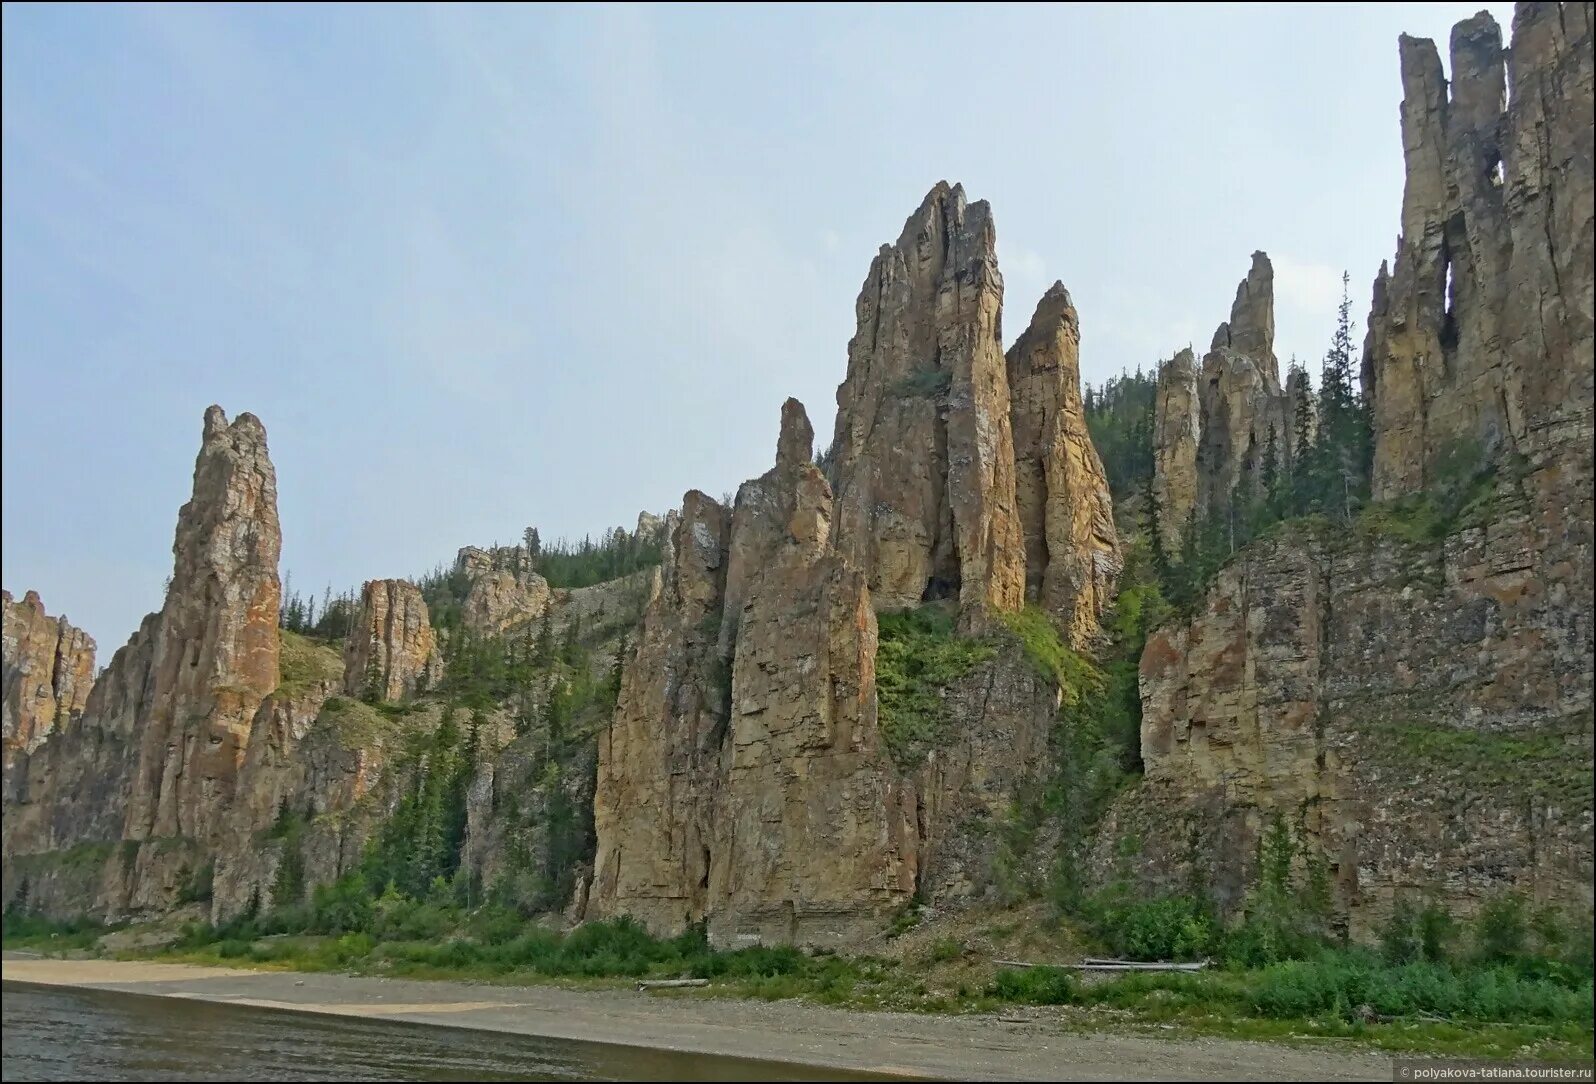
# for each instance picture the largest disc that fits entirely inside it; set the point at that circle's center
(1479, 33)
(215, 421)
(796, 445)
(1055, 307)
(1251, 328)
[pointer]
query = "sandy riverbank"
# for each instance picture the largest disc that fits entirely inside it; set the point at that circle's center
(1032, 1047)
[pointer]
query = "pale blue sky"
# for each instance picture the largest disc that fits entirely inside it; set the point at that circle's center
(480, 268)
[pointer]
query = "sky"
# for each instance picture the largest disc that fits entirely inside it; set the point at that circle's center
(483, 268)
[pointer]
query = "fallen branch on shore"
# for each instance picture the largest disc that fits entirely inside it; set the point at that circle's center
(1092, 963)
(667, 984)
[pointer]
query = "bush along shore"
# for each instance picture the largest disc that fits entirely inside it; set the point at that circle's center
(1512, 983)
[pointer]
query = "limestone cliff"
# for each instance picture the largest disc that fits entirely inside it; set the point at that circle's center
(923, 453)
(748, 728)
(1480, 335)
(391, 649)
(1066, 514)
(46, 671)
(803, 758)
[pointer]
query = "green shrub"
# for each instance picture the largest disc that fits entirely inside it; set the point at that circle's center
(1034, 985)
(343, 906)
(1164, 928)
(1500, 929)
(919, 656)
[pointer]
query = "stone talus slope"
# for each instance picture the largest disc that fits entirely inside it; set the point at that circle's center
(924, 456)
(46, 671)
(1066, 514)
(391, 648)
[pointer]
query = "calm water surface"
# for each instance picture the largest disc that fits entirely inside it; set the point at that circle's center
(55, 1033)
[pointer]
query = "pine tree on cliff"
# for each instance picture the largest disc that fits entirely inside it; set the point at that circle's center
(1343, 425)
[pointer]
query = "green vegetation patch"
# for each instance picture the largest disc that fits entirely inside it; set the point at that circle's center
(920, 656)
(926, 383)
(1548, 763)
(304, 663)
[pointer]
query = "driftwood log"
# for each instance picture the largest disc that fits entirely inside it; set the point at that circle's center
(668, 984)
(1095, 964)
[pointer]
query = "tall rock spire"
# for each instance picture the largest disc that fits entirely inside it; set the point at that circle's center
(924, 457)
(1480, 338)
(215, 650)
(1066, 513)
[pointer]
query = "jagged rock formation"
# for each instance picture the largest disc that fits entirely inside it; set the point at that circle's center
(659, 759)
(391, 649)
(803, 758)
(46, 671)
(712, 792)
(1066, 514)
(923, 454)
(504, 590)
(1176, 428)
(1212, 430)
(158, 752)
(1480, 337)
(747, 729)
(1417, 704)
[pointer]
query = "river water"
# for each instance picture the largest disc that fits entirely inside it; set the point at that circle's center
(56, 1033)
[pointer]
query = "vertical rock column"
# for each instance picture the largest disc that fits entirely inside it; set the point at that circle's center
(1066, 513)
(924, 456)
(391, 648)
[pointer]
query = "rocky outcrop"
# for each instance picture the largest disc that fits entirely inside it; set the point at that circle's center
(46, 671)
(1480, 336)
(158, 752)
(658, 762)
(391, 650)
(803, 758)
(923, 454)
(504, 591)
(1213, 429)
(214, 651)
(748, 728)
(1066, 513)
(1419, 713)
(1177, 414)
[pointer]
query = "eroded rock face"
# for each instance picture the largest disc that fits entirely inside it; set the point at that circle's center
(1066, 513)
(1177, 415)
(658, 762)
(216, 646)
(803, 759)
(1480, 336)
(1420, 715)
(504, 591)
(924, 456)
(391, 649)
(48, 669)
(165, 731)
